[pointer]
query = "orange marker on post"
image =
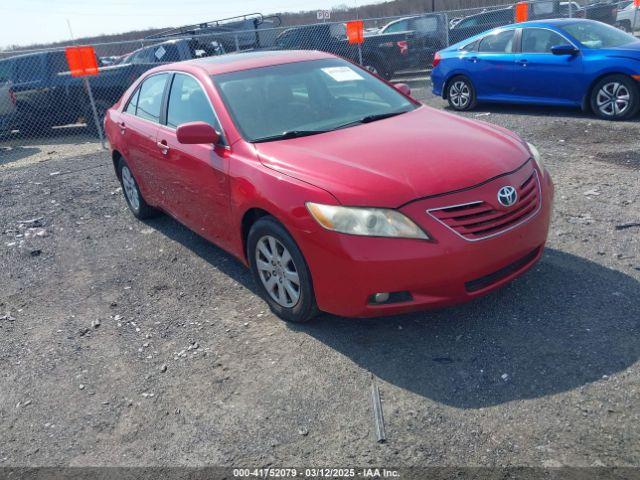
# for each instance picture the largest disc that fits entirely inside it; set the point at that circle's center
(84, 63)
(522, 12)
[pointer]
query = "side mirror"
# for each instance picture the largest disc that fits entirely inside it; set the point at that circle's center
(197, 132)
(403, 88)
(564, 50)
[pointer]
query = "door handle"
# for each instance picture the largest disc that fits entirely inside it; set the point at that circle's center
(122, 126)
(473, 59)
(163, 146)
(523, 62)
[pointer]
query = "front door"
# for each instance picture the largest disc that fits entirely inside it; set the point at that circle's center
(542, 76)
(194, 176)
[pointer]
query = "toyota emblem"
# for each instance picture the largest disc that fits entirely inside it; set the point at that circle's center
(507, 196)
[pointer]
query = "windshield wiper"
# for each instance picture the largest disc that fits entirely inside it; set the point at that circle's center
(289, 134)
(372, 118)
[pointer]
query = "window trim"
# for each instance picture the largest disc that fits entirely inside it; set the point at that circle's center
(522, 29)
(165, 96)
(165, 107)
(514, 45)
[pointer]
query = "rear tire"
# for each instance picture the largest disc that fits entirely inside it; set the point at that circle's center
(376, 67)
(461, 94)
(615, 97)
(136, 202)
(280, 271)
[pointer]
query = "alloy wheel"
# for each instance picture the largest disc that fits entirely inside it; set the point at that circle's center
(130, 188)
(613, 99)
(460, 94)
(277, 271)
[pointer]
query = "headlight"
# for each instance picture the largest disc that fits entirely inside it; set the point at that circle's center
(375, 222)
(536, 156)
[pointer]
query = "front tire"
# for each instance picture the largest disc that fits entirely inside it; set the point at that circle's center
(136, 202)
(280, 271)
(615, 97)
(461, 94)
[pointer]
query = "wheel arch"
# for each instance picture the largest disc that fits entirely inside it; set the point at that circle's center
(586, 99)
(451, 76)
(115, 158)
(251, 216)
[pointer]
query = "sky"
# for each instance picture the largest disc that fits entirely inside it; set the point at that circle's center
(25, 22)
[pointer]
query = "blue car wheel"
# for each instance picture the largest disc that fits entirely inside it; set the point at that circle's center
(615, 97)
(461, 94)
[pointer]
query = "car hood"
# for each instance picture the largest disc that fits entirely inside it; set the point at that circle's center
(391, 162)
(630, 50)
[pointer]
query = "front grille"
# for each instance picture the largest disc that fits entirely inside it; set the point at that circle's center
(478, 220)
(504, 272)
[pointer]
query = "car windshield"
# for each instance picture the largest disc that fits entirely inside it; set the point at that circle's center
(306, 98)
(597, 35)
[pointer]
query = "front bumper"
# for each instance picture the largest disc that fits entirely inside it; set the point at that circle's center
(347, 269)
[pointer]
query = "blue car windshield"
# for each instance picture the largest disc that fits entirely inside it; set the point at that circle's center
(596, 35)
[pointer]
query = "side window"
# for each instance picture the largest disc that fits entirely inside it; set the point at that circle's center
(165, 53)
(501, 42)
(189, 103)
(133, 102)
(58, 62)
(470, 47)
(28, 69)
(538, 40)
(150, 97)
(401, 26)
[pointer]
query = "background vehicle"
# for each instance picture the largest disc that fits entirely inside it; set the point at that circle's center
(628, 18)
(383, 54)
(174, 51)
(481, 22)
(7, 105)
(569, 62)
(46, 94)
(427, 34)
(245, 32)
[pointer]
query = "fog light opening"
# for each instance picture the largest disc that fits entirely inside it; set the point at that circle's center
(382, 298)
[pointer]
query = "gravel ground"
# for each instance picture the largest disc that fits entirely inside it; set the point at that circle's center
(138, 344)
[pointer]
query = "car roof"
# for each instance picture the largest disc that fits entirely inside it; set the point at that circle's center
(554, 22)
(234, 62)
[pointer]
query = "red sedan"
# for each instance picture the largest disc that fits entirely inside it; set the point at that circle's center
(339, 191)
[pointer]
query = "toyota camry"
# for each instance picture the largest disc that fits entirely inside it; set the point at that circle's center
(338, 190)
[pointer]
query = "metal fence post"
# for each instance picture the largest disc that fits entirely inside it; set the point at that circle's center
(235, 37)
(87, 85)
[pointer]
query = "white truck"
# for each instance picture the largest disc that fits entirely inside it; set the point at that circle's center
(629, 18)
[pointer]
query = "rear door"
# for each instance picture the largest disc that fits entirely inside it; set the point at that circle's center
(194, 176)
(540, 75)
(139, 124)
(491, 67)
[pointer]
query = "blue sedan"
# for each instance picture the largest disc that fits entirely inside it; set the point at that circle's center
(569, 62)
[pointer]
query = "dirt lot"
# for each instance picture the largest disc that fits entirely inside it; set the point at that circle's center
(134, 343)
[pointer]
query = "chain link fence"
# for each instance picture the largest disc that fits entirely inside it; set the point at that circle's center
(42, 104)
